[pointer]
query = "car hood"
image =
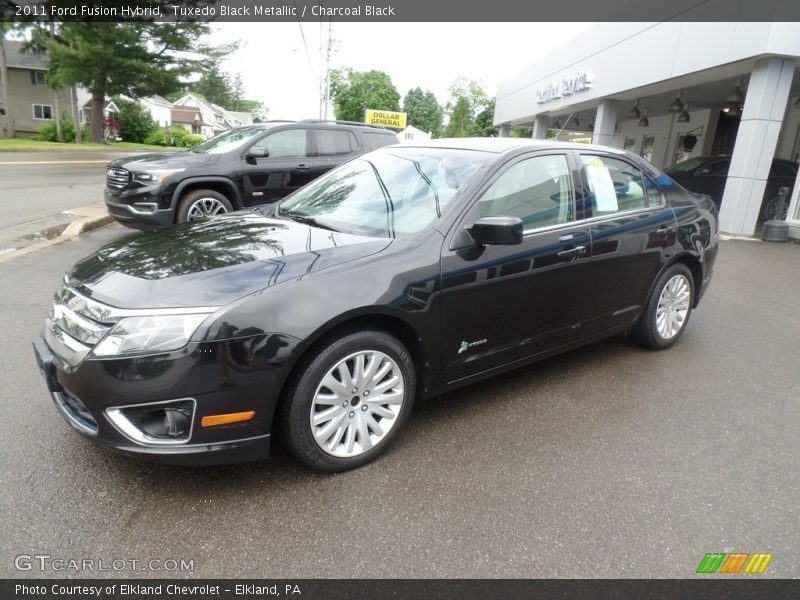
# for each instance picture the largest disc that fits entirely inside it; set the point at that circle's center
(166, 160)
(212, 262)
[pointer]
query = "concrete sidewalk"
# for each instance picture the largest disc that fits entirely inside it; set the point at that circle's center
(23, 238)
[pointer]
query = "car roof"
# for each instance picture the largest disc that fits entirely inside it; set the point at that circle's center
(508, 144)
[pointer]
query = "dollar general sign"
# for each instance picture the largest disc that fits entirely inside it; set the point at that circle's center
(386, 118)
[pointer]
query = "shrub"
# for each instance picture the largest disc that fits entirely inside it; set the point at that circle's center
(47, 132)
(135, 122)
(174, 136)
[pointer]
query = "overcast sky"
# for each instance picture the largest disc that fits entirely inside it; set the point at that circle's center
(276, 70)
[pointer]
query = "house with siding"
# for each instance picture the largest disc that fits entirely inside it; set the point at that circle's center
(32, 102)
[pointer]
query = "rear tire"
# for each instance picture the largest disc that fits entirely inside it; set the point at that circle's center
(667, 312)
(200, 204)
(348, 400)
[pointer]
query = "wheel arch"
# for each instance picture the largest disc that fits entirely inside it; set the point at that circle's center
(221, 185)
(392, 324)
(695, 267)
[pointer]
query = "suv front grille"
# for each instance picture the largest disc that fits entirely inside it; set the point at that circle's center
(117, 178)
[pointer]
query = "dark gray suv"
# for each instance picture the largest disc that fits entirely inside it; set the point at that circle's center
(242, 167)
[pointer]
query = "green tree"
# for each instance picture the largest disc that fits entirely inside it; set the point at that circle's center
(484, 122)
(135, 57)
(424, 111)
(353, 92)
(470, 109)
(460, 123)
(215, 86)
(135, 121)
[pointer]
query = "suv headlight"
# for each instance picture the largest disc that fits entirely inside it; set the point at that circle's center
(149, 335)
(155, 175)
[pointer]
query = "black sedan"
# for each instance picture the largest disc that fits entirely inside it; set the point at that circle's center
(403, 274)
(708, 175)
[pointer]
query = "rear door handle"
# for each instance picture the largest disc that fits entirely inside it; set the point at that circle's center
(303, 167)
(572, 252)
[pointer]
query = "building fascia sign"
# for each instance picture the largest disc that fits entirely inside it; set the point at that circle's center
(564, 87)
(387, 118)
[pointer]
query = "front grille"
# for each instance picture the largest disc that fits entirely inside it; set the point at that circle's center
(75, 325)
(117, 178)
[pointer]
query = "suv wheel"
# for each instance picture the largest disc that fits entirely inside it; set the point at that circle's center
(348, 401)
(668, 309)
(199, 204)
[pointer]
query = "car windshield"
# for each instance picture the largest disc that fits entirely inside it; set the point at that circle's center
(385, 193)
(686, 165)
(228, 140)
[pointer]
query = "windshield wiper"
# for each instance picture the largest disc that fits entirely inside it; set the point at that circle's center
(307, 221)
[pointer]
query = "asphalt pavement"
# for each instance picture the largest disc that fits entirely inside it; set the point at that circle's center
(610, 461)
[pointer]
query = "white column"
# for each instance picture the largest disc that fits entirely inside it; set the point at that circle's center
(605, 122)
(762, 117)
(505, 130)
(540, 128)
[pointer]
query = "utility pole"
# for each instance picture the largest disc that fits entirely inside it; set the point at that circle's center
(325, 86)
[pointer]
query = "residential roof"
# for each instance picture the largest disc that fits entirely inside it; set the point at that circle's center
(156, 99)
(185, 114)
(16, 58)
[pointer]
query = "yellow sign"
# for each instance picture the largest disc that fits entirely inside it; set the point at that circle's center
(386, 118)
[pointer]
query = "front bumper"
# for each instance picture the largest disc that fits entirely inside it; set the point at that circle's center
(140, 208)
(208, 374)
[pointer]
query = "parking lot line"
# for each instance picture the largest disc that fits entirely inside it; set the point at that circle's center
(51, 162)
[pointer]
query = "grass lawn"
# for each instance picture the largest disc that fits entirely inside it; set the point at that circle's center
(25, 144)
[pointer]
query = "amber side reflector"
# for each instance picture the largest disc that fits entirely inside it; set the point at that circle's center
(211, 420)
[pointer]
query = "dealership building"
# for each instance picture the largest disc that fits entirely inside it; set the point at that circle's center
(671, 91)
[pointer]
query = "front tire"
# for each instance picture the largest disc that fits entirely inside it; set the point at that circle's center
(199, 204)
(348, 401)
(667, 312)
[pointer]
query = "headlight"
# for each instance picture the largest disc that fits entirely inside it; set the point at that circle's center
(148, 335)
(156, 175)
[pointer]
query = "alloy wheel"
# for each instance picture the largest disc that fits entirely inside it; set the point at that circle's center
(205, 207)
(357, 403)
(673, 306)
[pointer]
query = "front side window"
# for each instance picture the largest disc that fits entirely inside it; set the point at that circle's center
(537, 190)
(617, 186)
(228, 140)
(42, 112)
(385, 193)
(290, 143)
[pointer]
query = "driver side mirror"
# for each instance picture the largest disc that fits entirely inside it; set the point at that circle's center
(497, 231)
(256, 152)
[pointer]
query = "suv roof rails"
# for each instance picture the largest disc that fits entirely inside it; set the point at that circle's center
(343, 123)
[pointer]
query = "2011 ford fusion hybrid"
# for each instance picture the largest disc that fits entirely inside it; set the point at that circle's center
(405, 273)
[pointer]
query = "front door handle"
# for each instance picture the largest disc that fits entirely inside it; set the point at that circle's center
(303, 167)
(572, 252)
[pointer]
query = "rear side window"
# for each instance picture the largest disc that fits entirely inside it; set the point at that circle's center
(379, 139)
(617, 186)
(718, 167)
(333, 142)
